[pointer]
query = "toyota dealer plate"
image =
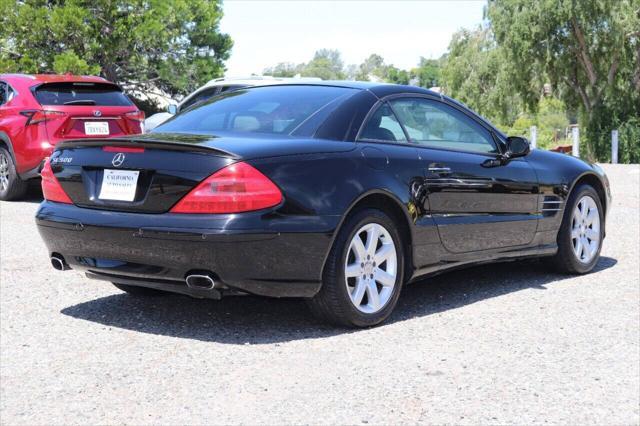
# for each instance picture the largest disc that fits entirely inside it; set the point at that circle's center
(119, 185)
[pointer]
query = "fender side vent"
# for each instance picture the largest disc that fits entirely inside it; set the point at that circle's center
(551, 205)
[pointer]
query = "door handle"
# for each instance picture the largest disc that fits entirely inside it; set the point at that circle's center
(439, 170)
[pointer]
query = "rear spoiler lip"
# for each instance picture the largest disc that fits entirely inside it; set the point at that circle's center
(146, 143)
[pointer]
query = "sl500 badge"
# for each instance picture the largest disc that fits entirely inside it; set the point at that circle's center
(61, 159)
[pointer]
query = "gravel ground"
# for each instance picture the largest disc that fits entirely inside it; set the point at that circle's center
(510, 343)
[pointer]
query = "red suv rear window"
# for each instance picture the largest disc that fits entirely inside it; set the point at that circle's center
(78, 93)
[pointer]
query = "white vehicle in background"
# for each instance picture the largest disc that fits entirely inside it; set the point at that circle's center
(213, 88)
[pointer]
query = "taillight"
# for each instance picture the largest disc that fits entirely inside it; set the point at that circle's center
(35, 116)
(138, 118)
(51, 188)
(135, 115)
(236, 188)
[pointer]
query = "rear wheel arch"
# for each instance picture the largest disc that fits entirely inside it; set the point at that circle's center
(392, 206)
(12, 186)
(5, 142)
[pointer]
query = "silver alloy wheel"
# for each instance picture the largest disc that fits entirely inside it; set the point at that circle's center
(371, 268)
(585, 229)
(4, 172)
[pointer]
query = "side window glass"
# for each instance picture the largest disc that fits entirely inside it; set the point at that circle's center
(231, 87)
(3, 93)
(383, 126)
(437, 125)
(199, 97)
(10, 93)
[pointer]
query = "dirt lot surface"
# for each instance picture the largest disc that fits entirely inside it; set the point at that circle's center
(508, 343)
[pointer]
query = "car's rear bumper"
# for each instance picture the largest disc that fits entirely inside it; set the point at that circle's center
(254, 253)
(33, 173)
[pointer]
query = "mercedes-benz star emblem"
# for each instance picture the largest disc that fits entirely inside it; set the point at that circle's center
(118, 159)
(97, 113)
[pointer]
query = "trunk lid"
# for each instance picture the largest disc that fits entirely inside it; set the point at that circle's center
(123, 175)
(163, 166)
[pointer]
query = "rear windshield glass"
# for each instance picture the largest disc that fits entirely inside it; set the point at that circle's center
(99, 94)
(268, 109)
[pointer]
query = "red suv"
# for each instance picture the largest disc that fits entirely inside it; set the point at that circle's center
(38, 111)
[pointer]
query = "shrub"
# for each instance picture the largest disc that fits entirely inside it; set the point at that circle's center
(629, 141)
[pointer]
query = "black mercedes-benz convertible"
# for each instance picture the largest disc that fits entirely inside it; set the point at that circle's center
(337, 192)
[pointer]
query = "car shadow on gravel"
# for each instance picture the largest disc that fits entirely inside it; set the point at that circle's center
(254, 320)
(34, 193)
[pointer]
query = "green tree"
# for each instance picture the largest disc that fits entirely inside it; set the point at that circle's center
(283, 69)
(326, 64)
(144, 45)
(588, 49)
(372, 66)
(375, 68)
(396, 75)
(550, 119)
(428, 72)
(474, 71)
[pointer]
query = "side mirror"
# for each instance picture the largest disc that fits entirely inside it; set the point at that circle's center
(517, 146)
(172, 109)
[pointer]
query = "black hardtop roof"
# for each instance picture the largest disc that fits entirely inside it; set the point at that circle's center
(378, 89)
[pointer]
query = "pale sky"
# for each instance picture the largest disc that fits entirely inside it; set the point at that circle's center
(266, 32)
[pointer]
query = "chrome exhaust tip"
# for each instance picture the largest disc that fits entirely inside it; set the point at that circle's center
(58, 263)
(201, 282)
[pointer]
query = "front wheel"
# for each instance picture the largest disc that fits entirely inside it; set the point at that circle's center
(581, 233)
(363, 275)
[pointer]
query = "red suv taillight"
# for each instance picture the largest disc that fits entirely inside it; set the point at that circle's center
(51, 188)
(236, 188)
(135, 115)
(138, 121)
(35, 116)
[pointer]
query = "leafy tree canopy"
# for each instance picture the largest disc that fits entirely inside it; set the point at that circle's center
(589, 50)
(428, 72)
(326, 64)
(374, 67)
(475, 72)
(143, 45)
(283, 69)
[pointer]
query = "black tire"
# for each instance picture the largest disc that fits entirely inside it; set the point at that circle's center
(332, 303)
(13, 187)
(565, 260)
(137, 291)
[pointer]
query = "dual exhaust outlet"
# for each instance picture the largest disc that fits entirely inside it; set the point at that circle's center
(201, 281)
